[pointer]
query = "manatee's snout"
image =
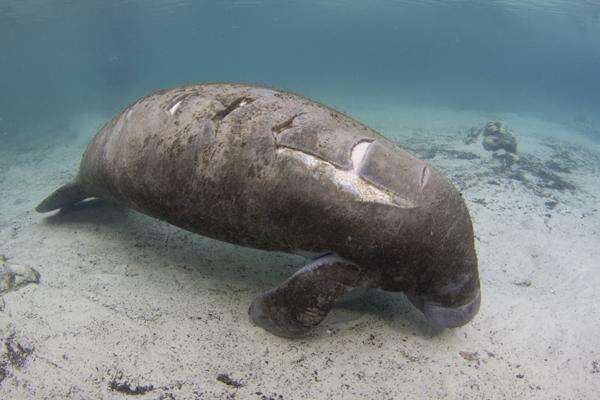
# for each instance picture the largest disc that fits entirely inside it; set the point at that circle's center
(449, 317)
(452, 305)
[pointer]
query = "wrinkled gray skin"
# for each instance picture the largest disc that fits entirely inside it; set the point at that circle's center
(272, 170)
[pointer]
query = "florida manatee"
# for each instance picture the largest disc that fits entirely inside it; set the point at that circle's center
(275, 171)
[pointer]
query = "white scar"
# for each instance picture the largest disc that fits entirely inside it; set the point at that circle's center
(174, 108)
(350, 180)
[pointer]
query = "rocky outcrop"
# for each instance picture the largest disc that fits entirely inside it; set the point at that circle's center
(495, 137)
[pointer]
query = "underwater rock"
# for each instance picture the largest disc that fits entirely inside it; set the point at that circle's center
(496, 137)
(14, 276)
(537, 174)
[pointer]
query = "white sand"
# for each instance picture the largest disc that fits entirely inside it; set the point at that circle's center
(124, 298)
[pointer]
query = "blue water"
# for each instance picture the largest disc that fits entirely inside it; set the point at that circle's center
(61, 58)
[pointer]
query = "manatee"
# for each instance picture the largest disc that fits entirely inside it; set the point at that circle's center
(275, 171)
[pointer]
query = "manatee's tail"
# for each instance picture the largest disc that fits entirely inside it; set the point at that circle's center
(65, 195)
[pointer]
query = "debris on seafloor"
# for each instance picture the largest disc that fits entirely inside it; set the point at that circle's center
(126, 388)
(122, 385)
(469, 356)
(523, 283)
(15, 276)
(533, 172)
(16, 352)
(498, 140)
(495, 137)
(226, 379)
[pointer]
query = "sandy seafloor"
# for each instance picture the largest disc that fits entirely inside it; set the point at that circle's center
(127, 303)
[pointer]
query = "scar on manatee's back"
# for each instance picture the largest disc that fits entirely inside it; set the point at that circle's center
(237, 103)
(286, 124)
(173, 104)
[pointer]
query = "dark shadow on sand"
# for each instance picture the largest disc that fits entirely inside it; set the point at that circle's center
(394, 309)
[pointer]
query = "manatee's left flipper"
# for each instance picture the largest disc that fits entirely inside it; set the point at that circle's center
(303, 301)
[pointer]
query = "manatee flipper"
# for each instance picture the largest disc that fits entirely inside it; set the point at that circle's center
(65, 195)
(303, 301)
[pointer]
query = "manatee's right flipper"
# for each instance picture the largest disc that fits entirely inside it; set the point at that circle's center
(65, 195)
(303, 301)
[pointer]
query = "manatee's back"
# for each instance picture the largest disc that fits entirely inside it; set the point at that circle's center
(257, 167)
(229, 161)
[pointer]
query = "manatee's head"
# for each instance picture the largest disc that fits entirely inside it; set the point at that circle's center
(452, 304)
(431, 239)
(446, 287)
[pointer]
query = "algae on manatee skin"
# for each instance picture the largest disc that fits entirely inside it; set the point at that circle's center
(14, 276)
